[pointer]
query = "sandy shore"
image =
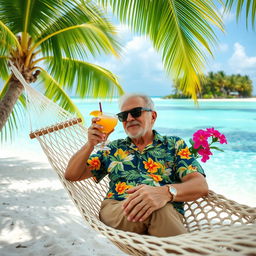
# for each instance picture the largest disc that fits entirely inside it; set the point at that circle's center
(38, 218)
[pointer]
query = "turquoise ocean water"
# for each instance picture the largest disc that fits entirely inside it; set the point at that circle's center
(231, 173)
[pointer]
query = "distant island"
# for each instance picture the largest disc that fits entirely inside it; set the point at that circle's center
(218, 85)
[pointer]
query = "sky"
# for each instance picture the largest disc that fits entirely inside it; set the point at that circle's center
(140, 67)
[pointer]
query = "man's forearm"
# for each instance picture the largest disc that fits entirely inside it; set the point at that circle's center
(192, 187)
(77, 167)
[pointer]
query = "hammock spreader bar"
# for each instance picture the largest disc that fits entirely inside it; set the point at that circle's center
(55, 127)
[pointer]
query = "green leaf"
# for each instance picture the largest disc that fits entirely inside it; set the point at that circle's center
(84, 78)
(158, 153)
(214, 139)
(132, 175)
(250, 9)
(55, 92)
(217, 149)
(191, 142)
(4, 73)
(8, 38)
(77, 31)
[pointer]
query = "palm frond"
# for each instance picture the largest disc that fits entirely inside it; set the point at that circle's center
(76, 41)
(30, 16)
(85, 78)
(76, 31)
(8, 38)
(4, 72)
(180, 30)
(250, 9)
(55, 92)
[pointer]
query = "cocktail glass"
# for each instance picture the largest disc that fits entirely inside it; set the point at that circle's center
(108, 121)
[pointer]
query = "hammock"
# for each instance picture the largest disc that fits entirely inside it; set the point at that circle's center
(216, 225)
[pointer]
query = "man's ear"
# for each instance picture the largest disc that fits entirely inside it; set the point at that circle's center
(154, 115)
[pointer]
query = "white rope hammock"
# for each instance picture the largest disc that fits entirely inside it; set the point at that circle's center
(216, 225)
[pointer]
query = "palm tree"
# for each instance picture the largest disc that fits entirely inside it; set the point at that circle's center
(181, 31)
(50, 40)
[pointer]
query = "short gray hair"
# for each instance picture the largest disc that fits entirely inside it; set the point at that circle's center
(149, 102)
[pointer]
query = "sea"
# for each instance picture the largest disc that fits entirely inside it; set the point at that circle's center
(231, 173)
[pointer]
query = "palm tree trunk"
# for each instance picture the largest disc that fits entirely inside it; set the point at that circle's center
(7, 103)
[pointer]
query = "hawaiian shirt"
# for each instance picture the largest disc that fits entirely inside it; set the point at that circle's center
(165, 161)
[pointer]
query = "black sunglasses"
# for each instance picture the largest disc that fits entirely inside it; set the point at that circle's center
(135, 112)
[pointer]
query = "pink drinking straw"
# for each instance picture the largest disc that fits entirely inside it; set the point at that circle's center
(100, 107)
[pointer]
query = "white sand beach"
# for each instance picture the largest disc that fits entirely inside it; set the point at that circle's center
(38, 218)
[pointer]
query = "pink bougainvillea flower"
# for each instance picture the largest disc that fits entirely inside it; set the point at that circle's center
(200, 138)
(223, 139)
(205, 153)
(215, 133)
(200, 145)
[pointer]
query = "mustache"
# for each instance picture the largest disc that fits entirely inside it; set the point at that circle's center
(132, 123)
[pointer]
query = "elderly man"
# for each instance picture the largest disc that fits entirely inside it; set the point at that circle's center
(150, 175)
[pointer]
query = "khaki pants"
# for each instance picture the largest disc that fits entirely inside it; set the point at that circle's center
(163, 222)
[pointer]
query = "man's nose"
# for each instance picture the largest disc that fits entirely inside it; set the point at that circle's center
(130, 117)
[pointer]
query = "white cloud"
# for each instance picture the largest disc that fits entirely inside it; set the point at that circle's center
(240, 62)
(137, 44)
(140, 68)
(223, 47)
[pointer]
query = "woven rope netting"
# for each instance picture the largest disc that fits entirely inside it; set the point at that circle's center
(216, 225)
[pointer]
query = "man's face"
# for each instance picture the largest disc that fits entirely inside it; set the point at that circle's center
(139, 126)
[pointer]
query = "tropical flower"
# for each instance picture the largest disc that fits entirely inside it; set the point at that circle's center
(94, 163)
(192, 168)
(123, 155)
(200, 145)
(121, 187)
(151, 166)
(110, 194)
(155, 177)
(200, 138)
(184, 153)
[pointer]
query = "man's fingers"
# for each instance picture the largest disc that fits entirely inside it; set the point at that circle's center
(134, 189)
(130, 202)
(96, 126)
(146, 214)
(138, 212)
(95, 119)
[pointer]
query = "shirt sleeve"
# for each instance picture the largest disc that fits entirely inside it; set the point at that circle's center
(97, 165)
(185, 162)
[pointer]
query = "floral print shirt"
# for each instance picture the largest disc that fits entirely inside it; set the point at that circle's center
(165, 161)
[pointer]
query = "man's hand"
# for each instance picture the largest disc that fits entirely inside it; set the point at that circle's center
(95, 135)
(143, 200)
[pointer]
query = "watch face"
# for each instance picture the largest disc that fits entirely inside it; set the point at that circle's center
(173, 190)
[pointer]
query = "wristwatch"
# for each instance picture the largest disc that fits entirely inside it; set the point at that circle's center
(172, 191)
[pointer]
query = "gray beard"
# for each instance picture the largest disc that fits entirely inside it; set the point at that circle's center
(136, 136)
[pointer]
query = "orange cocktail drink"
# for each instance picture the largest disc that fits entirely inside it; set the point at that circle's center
(108, 122)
